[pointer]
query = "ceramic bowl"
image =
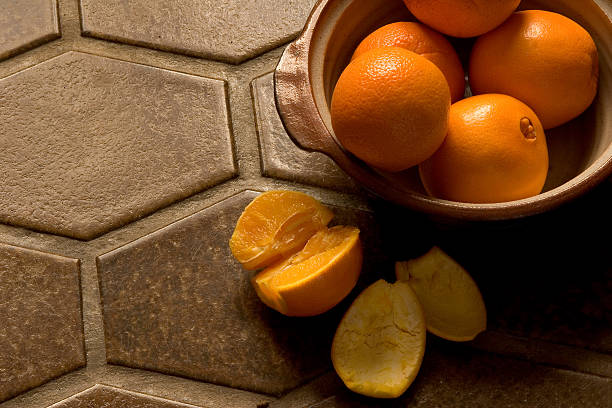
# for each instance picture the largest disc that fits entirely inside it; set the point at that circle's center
(580, 152)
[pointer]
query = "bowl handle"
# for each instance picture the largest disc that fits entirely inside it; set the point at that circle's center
(295, 102)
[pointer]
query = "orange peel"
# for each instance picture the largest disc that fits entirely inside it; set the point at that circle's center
(379, 344)
(453, 305)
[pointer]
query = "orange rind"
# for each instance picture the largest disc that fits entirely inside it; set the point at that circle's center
(379, 344)
(453, 305)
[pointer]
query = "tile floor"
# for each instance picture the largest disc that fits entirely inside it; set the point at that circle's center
(132, 136)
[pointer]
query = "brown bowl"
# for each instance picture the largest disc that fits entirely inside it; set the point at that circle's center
(580, 152)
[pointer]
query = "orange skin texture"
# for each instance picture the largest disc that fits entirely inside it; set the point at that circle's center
(486, 156)
(424, 41)
(542, 58)
(462, 18)
(390, 108)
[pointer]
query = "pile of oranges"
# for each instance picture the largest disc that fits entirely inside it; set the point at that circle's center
(400, 103)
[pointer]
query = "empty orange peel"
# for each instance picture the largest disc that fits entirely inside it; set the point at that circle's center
(453, 305)
(316, 278)
(379, 345)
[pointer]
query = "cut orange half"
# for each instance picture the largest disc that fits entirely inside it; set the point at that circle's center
(275, 225)
(316, 278)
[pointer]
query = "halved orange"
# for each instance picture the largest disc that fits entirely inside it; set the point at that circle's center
(275, 225)
(316, 278)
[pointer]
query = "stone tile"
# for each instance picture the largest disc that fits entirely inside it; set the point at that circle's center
(280, 157)
(41, 330)
(27, 24)
(105, 396)
(227, 30)
(544, 352)
(89, 143)
(177, 302)
(547, 277)
(453, 375)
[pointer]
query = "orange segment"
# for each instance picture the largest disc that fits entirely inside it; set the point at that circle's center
(315, 279)
(275, 225)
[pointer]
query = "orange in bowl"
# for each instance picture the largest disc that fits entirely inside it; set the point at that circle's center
(424, 41)
(495, 151)
(462, 18)
(542, 58)
(390, 108)
(580, 153)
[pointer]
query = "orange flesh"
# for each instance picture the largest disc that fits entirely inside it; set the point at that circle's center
(318, 252)
(275, 224)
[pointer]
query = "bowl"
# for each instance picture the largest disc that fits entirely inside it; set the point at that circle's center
(580, 152)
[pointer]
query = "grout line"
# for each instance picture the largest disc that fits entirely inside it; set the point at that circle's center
(53, 391)
(93, 326)
(543, 352)
(70, 27)
(197, 392)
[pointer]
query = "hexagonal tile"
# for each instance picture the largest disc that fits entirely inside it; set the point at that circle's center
(281, 158)
(26, 24)
(176, 301)
(89, 143)
(196, 27)
(41, 334)
(106, 396)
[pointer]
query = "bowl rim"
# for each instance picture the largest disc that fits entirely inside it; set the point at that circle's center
(297, 107)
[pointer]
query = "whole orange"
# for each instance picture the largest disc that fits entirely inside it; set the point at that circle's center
(495, 151)
(424, 41)
(390, 108)
(542, 58)
(462, 18)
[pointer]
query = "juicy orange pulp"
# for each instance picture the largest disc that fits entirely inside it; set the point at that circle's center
(275, 225)
(309, 268)
(316, 278)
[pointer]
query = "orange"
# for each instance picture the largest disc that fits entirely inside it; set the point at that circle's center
(390, 108)
(542, 58)
(495, 151)
(315, 279)
(274, 225)
(462, 18)
(424, 41)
